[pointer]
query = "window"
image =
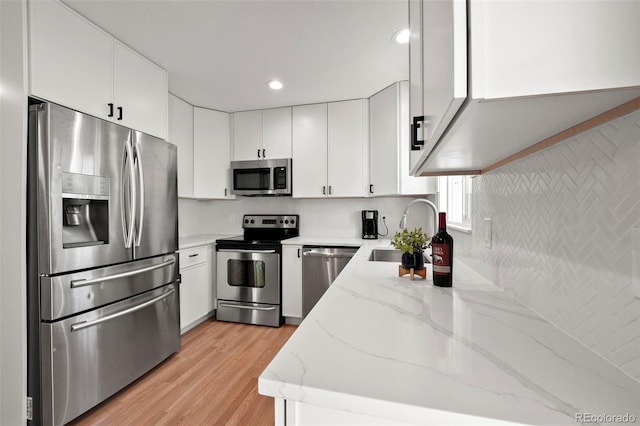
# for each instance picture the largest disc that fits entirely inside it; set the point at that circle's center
(454, 197)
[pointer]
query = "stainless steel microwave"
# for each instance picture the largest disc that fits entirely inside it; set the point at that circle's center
(261, 177)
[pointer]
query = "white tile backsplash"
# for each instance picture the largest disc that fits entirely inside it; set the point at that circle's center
(331, 217)
(562, 244)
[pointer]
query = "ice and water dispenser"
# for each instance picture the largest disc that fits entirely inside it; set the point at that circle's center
(85, 210)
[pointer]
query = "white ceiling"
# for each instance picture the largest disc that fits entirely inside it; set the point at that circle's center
(220, 53)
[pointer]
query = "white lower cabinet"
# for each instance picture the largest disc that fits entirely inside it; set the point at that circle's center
(292, 281)
(197, 288)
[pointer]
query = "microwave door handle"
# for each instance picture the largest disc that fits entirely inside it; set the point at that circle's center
(140, 168)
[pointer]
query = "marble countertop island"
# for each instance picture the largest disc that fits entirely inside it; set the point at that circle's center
(409, 352)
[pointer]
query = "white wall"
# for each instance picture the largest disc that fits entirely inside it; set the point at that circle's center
(328, 217)
(562, 236)
(13, 137)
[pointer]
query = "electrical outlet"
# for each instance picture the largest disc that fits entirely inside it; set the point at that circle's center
(635, 262)
(488, 237)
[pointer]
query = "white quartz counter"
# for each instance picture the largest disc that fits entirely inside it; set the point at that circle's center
(199, 240)
(410, 352)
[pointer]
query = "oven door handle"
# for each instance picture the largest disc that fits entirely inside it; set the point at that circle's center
(253, 308)
(82, 325)
(244, 251)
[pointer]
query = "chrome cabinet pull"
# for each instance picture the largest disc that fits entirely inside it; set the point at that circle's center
(84, 282)
(120, 113)
(110, 109)
(193, 255)
(324, 190)
(82, 325)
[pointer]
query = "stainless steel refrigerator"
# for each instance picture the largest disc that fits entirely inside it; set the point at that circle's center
(103, 296)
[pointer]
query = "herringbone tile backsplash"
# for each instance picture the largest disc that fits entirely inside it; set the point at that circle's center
(562, 236)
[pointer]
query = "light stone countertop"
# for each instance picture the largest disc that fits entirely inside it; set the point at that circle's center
(411, 352)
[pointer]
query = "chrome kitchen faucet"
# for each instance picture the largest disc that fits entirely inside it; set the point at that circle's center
(403, 221)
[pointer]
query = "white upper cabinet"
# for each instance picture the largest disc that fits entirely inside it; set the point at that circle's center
(247, 135)
(70, 59)
(309, 173)
(262, 134)
(276, 133)
(330, 150)
(211, 154)
(348, 148)
(535, 69)
(76, 64)
(181, 135)
(139, 92)
(390, 146)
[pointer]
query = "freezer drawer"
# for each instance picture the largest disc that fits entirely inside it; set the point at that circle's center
(89, 357)
(68, 294)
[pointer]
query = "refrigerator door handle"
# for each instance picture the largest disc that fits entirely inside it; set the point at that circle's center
(82, 325)
(142, 195)
(128, 219)
(85, 282)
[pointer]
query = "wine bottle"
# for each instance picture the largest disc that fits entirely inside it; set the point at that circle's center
(442, 254)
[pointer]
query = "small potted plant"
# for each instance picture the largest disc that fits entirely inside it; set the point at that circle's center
(412, 245)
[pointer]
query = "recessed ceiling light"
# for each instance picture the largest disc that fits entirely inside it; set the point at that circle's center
(401, 36)
(275, 85)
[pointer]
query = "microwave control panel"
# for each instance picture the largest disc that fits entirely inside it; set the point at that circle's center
(280, 178)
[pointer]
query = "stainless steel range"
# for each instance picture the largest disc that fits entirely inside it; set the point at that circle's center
(249, 277)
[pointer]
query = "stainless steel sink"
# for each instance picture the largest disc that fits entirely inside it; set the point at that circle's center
(389, 255)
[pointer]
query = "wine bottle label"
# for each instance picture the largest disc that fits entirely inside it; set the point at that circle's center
(440, 259)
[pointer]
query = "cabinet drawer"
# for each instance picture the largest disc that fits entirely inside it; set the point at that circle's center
(193, 256)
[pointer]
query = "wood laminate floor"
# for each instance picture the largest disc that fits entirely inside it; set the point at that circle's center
(211, 380)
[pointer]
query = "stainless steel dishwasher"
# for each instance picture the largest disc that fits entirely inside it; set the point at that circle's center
(320, 267)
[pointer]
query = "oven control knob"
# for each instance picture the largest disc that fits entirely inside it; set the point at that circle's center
(281, 221)
(253, 221)
(246, 221)
(286, 221)
(293, 221)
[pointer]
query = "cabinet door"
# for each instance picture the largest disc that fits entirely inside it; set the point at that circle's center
(196, 294)
(415, 58)
(444, 56)
(276, 132)
(292, 281)
(210, 153)
(348, 171)
(181, 135)
(70, 59)
(309, 151)
(384, 133)
(140, 89)
(247, 135)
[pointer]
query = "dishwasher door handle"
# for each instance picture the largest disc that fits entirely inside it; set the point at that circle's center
(328, 255)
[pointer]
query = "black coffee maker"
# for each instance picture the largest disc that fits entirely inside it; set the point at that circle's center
(370, 224)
